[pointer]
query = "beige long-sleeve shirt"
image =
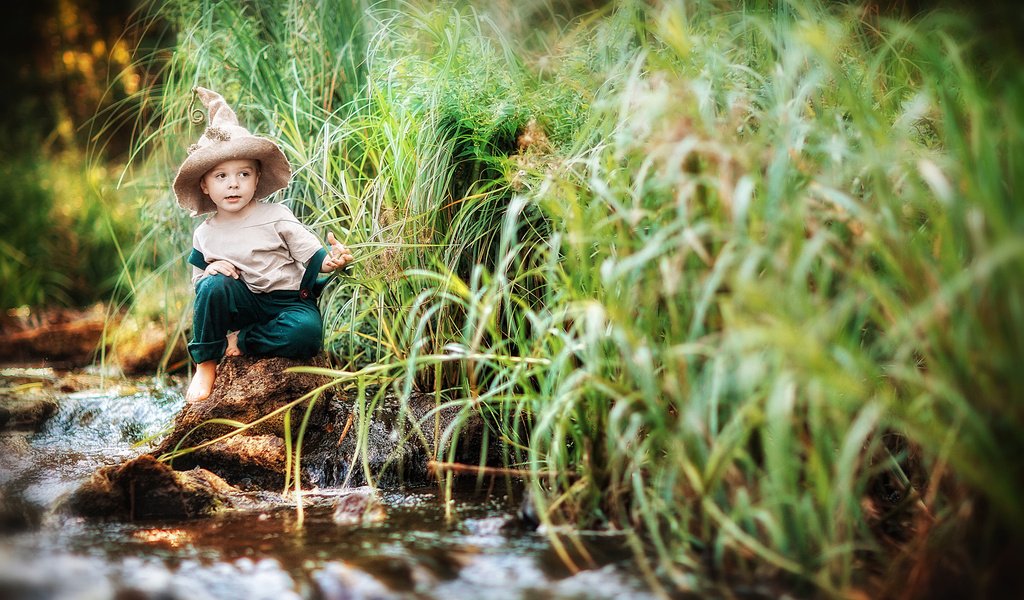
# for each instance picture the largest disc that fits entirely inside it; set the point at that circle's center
(269, 247)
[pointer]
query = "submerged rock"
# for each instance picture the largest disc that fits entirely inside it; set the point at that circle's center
(358, 507)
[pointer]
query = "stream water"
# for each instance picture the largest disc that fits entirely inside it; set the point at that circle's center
(475, 549)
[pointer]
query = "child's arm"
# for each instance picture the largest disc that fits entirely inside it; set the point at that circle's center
(337, 257)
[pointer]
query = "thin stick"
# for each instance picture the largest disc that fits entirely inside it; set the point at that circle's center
(450, 467)
(344, 430)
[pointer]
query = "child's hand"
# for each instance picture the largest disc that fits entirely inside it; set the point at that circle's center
(223, 267)
(338, 256)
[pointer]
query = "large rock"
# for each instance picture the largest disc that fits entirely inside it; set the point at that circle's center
(249, 391)
(397, 436)
(196, 468)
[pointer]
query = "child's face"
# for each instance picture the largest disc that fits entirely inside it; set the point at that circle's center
(231, 184)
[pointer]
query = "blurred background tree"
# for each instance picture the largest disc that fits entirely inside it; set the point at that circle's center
(68, 65)
(63, 61)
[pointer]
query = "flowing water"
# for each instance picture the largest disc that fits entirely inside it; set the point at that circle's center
(477, 548)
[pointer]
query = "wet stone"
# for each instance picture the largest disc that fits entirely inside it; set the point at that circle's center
(209, 458)
(490, 526)
(25, 409)
(358, 507)
(17, 514)
(246, 390)
(256, 392)
(145, 488)
(401, 435)
(250, 462)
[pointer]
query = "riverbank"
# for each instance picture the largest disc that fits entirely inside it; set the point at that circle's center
(75, 338)
(421, 542)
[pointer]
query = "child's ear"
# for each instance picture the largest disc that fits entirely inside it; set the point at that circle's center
(202, 186)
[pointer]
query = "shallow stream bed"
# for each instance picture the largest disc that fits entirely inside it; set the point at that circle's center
(414, 549)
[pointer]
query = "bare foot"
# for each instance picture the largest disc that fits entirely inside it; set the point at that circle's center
(202, 382)
(232, 349)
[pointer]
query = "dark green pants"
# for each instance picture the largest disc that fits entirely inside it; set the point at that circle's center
(280, 323)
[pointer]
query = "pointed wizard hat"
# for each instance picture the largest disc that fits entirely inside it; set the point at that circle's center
(223, 140)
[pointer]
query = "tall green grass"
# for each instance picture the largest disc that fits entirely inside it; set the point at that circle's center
(740, 281)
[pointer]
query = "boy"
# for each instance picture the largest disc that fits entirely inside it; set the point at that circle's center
(254, 264)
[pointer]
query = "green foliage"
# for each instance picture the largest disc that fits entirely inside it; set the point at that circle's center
(28, 243)
(720, 275)
(61, 231)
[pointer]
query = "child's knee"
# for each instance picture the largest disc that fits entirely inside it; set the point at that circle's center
(215, 287)
(312, 334)
(307, 334)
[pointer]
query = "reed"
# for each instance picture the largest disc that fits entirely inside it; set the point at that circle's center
(738, 279)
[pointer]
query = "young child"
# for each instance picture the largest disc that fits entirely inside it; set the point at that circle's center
(254, 265)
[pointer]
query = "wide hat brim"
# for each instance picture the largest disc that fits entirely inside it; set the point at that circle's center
(275, 172)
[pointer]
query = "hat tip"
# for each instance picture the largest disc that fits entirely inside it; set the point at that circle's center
(205, 94)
